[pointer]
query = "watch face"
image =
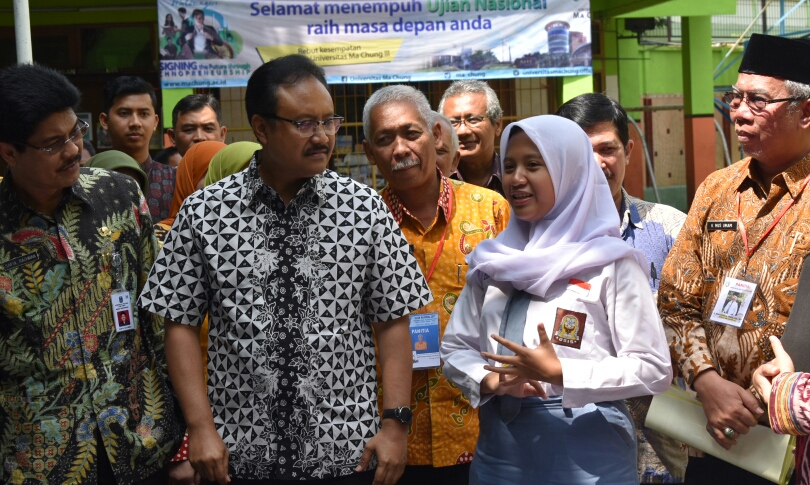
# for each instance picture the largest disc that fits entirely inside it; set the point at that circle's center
(405, 415)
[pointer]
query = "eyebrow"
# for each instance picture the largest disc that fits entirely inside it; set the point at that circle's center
(751, 91)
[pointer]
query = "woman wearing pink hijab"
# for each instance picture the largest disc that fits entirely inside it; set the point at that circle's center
(557, 324)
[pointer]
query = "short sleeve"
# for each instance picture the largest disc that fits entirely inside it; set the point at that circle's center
(177, 284)
(395, 284)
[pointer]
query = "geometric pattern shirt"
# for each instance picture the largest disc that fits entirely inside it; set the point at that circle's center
(161, 188)
(445, 427)
(66, 374)
(652, 229)
(290, 292)
(703, 257)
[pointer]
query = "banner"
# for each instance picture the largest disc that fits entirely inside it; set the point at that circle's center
(218, 43)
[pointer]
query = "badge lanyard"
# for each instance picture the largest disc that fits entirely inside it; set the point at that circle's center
(441, 241)
(750, 251)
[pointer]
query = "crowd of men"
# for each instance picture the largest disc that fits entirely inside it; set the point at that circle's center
(311, 282)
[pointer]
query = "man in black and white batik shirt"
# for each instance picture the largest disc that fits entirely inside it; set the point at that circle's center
(294, 265)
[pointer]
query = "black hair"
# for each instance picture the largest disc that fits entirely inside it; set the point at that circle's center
(163, 156)
(166, 21)
(196, 102)
(197, 11)
(261, 97)
(90, 148)
(125, 86)
(589, 109)
(181, 10)
(514, 131)
(29, 93)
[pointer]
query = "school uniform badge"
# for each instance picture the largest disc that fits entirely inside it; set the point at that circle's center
(568, 328)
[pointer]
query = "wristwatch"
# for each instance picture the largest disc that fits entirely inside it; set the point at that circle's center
(403, 414)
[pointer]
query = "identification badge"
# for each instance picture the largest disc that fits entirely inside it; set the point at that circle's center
(721, 226)
(568, 328)
(122, 311)
(425, 340)
(733, 302)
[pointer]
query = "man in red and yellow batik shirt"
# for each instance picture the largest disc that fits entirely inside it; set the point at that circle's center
(443, 220)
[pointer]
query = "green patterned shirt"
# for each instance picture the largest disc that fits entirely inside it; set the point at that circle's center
(66, 375)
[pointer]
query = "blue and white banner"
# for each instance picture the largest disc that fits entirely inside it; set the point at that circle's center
(218, 43)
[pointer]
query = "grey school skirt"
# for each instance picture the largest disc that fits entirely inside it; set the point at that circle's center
(551, 445)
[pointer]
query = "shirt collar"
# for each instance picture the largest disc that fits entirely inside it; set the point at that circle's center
(9, 196)
(629, 213)
(254, 184)
(495, 173)
(793, 177)
(147, 165)
(398, 209)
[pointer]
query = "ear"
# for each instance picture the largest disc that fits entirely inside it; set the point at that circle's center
(456, 159)
(222, 132)
(498, 126)
(628, 149)
(102, 120)
(438, 136)
(9, 153)
(260, 127)
(157, 122)
(368, 152)
(804, 118)
(170, 132)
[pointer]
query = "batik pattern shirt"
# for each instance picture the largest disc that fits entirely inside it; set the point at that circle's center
(701, 259)
(161, 188)
(445, 427)
(789, 413)
(66, 375)
(291, 293)
(652, 229)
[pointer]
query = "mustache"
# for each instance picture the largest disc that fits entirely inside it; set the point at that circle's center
(608, 173)
(317, 148)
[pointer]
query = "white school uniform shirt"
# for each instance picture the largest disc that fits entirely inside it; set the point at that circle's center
(622, 351)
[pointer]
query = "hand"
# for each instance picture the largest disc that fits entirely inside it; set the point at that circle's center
(208, 455)
(501, 384)
(537, 364)
(766, 372)
(182, 473)
(726, 405)
(391, 447)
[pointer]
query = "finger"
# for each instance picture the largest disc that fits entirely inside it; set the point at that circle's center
(221, 470)
(368, 452)
(539, 388)
(720, 438)
(503, 359)
(379, 475)
(197, 478)
(541, 331)
(516, 348)
(783, 360)
(752, 406)
(768, 370)
(512, 371)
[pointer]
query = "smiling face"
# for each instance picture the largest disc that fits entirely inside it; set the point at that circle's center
(610, 155)
(402, 146)
(476, 143)
(35, 172)
(526, 180)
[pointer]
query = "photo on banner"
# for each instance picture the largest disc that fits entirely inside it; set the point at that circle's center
(220, 43)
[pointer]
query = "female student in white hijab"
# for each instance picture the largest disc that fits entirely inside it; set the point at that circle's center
(557, 323)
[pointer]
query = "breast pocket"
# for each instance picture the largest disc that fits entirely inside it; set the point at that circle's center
(572, 330)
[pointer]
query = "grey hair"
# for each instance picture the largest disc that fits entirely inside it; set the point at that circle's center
(397, 92)
(494, 111)
(453, 135)
(797, 90)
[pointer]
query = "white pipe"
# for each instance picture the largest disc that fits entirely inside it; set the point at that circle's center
(22, 32)
(725, 144)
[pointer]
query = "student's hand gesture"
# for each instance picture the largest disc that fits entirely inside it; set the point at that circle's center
(766, 372)
(503, 385)
(538, 364)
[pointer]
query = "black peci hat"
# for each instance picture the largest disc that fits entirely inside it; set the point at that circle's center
(769, 55)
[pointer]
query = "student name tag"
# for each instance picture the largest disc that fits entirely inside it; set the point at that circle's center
(733, 302)
(122, 311)
(721, 225)
(21, 260)
(425, 340)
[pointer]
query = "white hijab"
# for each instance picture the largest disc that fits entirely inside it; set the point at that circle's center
(582, 229)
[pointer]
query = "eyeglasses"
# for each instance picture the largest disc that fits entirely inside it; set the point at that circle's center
(56, 148)
(307, 128)
(755, 103)
(469, 121)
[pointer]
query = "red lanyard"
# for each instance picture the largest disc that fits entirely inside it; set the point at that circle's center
(441, 241)
(744, 234)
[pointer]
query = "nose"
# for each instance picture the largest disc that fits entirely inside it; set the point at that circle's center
(320, 133)
(743, 111)
(463, 129)
(199, 135)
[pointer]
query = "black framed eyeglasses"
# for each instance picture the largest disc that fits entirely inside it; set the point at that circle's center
(56, 148)
(754, 102)
(307, 128)
(469, 121)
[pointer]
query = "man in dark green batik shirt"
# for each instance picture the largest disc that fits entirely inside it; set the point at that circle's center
(83, 394)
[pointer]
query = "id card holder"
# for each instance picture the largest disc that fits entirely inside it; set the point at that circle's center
(425, 340)
(733, 301)
(122, 311)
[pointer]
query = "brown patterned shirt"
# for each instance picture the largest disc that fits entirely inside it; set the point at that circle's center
(701, 259)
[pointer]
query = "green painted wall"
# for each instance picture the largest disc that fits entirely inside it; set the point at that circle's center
(73, 12)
